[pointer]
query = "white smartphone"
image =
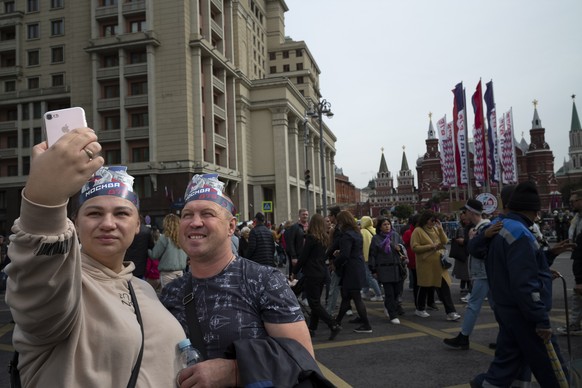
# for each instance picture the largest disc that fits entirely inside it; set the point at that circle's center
(58, 122)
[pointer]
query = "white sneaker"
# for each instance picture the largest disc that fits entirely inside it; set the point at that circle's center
(465, 299)
(376, 299)
(349, 313)
(453, 317)
(422, 313)
(395, 321)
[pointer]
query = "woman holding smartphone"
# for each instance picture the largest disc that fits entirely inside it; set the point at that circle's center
(82, 319)
(428, 242)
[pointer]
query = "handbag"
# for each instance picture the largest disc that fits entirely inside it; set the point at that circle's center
(445, 262)
(458, 252)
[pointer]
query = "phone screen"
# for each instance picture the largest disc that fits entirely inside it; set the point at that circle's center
(58, 122)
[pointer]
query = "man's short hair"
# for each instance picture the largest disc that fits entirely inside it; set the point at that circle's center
(334, 211)
(260, 217)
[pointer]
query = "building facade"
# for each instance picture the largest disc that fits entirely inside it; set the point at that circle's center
(172, 89)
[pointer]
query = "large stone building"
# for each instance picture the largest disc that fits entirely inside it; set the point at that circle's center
(172, 89)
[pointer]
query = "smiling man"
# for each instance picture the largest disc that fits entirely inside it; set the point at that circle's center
(243, 309)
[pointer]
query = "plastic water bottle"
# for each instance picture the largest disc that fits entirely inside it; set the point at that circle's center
(189, 355)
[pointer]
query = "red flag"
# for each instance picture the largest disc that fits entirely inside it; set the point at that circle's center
(479, 136)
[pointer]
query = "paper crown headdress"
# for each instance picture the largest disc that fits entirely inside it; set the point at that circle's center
(110, 180)
(207, 187)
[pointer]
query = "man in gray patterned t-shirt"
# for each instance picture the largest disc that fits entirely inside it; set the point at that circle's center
(235, 298)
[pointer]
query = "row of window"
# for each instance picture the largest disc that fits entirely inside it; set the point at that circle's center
(56, 80)
(135, 87)
(57, 29)
(286, 68)
(285, 53)
(57, 56)
(111, 28)
(132, 57)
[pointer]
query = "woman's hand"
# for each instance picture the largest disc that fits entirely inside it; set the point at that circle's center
(218, 372)
(57, 173)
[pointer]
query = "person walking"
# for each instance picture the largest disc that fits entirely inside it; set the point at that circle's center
(480, 289)
(387, 256)
(368, 231)
(261, 243)
(428, 242)
(312, 264)
(521, 286)
(349, 263)
(172, 259)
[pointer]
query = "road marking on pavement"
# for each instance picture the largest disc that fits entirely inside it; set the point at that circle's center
(335, 379)
(364, 341)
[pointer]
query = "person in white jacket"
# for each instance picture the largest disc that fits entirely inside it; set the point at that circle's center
(81, 318)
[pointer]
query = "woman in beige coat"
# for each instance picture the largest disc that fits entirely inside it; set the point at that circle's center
(428, 242)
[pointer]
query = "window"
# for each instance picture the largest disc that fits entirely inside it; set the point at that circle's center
(33, 31)
(58, 80)
(25, 137)
(111, 90)
(137, 26)
(298, 53)
(9, 7)
(33, 57)
(8, 59)
(37, 135)
(140, 154)
(11, 114)
(273, 69)
(12, 140)
(138, 87)
(57, 54)
(286, 68)
(272, 56)
(286, 54)
(8, 33)
(299, 80)
(9, 86)
(112, 156)
(111, 121)
(109, 30)
(33, 83)
(139, 119)
(143, 186)
(36, 111)
(106, 3)
(32, 6)
(57, 27)
(56, 4)
(12, 169)
(110, 60)
(137, 57)
(25, 165)
(300, 66)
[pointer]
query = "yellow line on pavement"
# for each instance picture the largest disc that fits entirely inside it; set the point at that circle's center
(364, 341)
(335, 379)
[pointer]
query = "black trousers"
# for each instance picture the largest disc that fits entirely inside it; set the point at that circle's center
(443, 292)
(347, 296)
(312, 288)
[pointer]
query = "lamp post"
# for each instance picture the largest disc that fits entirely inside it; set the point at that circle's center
(317, 111)
(306, 171)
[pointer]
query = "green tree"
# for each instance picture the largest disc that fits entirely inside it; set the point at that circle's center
(403, 211)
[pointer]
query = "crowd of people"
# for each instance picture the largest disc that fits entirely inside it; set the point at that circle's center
(251, 291)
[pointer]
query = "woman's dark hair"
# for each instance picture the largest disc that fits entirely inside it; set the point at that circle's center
(413, 220)
(425, 217)
(317, 229)
(379, 223)
(346, 221)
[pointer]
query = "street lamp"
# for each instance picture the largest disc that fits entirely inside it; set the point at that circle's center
(317, 111)
(306, 172)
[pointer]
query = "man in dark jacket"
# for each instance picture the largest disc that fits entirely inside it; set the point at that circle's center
(294, 237)
(261, 243)
(138, 250)
(521, 286)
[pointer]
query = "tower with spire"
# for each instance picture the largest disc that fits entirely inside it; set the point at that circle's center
(569, 176)
(383, 195)
(428, 167)
(405, 177)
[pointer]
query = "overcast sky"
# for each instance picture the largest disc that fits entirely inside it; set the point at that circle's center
(385, 64)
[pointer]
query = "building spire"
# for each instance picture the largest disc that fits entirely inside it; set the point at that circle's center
(383, 164)
(431, 133)
(536, 122)
(404, 165)
(575, 126)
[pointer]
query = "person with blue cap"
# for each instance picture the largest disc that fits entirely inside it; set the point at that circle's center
(81, 318)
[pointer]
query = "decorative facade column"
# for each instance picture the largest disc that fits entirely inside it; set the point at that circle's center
(284, 139)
